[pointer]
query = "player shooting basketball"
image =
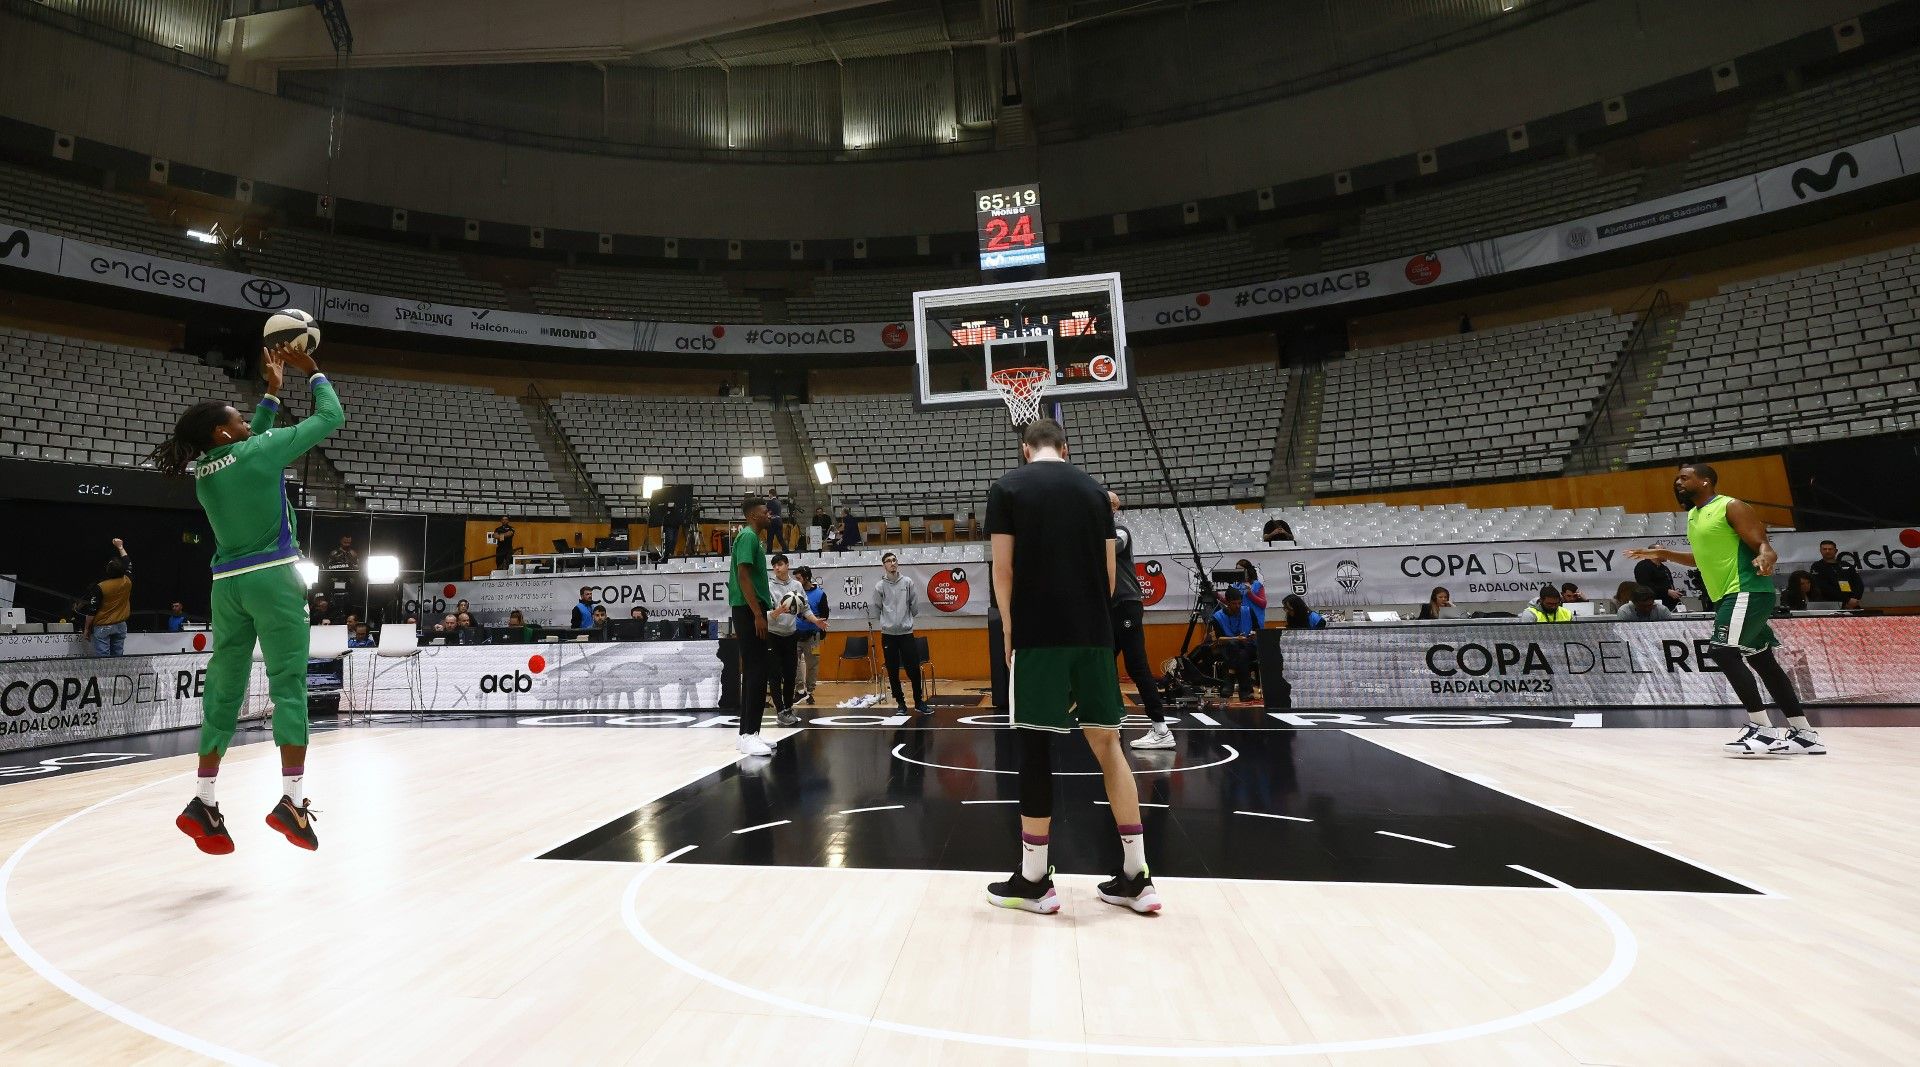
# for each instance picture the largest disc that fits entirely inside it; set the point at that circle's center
(239, 478)
(1053, 576)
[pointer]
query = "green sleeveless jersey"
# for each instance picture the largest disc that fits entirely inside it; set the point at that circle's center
(1725, 561)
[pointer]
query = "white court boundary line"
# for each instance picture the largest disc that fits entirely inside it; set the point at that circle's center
(1564, 813)
(66, 984)
(1626, 950)
(1233, 754)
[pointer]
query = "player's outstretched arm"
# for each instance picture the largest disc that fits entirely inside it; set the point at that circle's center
(1662, 555)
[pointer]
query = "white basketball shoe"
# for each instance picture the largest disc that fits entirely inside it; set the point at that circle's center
(1754, 741)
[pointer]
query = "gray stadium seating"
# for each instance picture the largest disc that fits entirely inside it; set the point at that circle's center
(44, 202)
(368, 266)
(670, 295)
(1182, 264)
(1848, 109)
(1827, 352)
(1499, 403)
(697, 441)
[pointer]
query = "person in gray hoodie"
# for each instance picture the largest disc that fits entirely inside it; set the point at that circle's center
(892, 609)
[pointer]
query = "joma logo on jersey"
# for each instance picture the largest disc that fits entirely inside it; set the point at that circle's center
(218, 465)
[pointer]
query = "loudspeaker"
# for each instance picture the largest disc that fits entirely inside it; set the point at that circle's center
(671, 505)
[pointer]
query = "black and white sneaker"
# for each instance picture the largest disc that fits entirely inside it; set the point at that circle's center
(1804, 743)
(1753, 741)
(1017, 892)
(787, 717)
(1135, 892)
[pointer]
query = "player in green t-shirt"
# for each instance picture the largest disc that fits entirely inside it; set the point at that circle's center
(239, 475)
(749, 597)
(1730, 547)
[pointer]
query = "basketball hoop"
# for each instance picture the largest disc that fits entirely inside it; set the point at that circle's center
(1021, 388)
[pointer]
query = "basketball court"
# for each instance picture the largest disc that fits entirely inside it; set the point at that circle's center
(579, 893)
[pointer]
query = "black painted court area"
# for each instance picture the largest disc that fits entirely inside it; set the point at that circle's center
(1236, 819)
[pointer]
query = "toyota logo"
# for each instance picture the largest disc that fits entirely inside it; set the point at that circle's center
(266, 295)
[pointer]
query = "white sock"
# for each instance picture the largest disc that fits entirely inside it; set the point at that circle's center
(293, 784)
(1133, 850)
(1033, 856)
(203, 788)
(1799, 722)
(1759, 718)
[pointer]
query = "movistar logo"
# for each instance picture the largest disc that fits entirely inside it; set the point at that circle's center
(16, 241)
(1824, 183)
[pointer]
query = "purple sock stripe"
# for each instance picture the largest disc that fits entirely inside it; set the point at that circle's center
(288, 772)
(1134, 830)
(210, 774)
(1034, 839)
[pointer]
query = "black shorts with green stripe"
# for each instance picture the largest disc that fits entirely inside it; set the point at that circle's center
(1060, 690)
(1740, 622)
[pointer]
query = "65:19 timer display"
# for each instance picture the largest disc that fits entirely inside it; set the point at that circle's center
(1011, 233)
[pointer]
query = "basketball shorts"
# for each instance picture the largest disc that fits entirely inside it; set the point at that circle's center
(1060, 690)
(1740, 622)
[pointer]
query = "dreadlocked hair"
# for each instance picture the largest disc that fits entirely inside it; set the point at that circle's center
(192, 437)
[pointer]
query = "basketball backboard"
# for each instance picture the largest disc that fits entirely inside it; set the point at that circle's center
(1073, 327)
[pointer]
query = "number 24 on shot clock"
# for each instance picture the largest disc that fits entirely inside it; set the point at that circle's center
(1011, 233)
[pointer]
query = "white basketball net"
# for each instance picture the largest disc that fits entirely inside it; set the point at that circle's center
(1021, 388)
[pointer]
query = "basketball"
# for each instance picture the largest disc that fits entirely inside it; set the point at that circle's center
(792, 603)
(291, 325)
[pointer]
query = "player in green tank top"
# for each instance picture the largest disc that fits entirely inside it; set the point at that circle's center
(1729, 546)
(239, 473)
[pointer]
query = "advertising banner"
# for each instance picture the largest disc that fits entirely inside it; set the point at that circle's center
(1830, 174)
(563, 676)
(1589, 664)
(1503, 572)
(1385, 278)
(482, 324)
(177, 278)
(30, 249)
(52, 646)
(49, 701)
(957, 589)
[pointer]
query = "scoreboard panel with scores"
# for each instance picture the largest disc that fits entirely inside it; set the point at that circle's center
(1009, 226)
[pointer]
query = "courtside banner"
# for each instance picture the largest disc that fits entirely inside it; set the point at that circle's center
(1507, 571)
(52, 646)
(1472, 667)
(49, 701)
(956, 589)
(1385, 278)
(560, 676)
(29, 249)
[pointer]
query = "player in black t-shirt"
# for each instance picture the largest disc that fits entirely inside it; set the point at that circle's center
(1053, 577)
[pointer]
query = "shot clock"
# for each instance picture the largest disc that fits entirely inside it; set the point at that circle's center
(1008, 220)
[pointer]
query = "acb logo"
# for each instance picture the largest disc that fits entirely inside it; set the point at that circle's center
(1153, 582)
(517, 682)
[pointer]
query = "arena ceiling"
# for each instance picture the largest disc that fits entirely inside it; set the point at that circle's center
(812, 76)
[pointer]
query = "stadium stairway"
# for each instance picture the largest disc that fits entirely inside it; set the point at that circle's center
(1290, 478)
(323, 484)
(796, 458)
(1616, 419)
(584, 503)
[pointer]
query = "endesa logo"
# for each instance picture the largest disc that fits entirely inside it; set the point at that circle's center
(148, 274)
(948, 590)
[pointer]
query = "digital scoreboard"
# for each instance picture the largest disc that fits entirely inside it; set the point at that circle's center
(1008, 221)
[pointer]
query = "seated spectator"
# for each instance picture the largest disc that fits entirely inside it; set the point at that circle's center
(176, 617)
(822, 522)
(462, 606)
(1836, 580)
(344, 558)
(1801, 588)
(638, 613)
(1299, 616)
(445, 627)
(1233, 632)
(1438, 601)
(360, 637)
(517, 632)
(1547, 608)
(353, 620)
(1276, 530)
(467, 632)
(1570, 594)
(321, 613)
(1642, 606)
(599, 627)
(849, 530)
(1623, 594)
(1656, 576)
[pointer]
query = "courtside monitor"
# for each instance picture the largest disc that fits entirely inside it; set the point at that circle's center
(1068, 334)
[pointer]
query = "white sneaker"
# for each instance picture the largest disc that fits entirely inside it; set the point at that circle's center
(1753, 741)
(1804, 743)
(751, 745)
(1157, 737)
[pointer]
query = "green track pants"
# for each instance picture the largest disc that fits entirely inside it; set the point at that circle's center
(270, 605)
